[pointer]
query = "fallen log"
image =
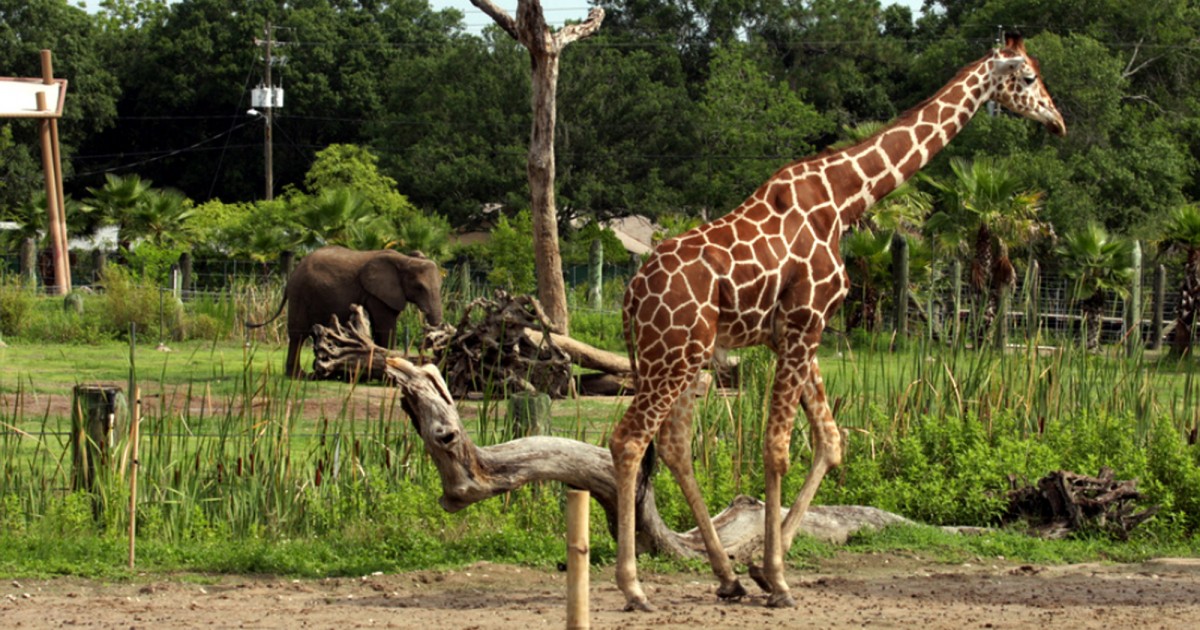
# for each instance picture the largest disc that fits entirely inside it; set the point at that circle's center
(470, 473)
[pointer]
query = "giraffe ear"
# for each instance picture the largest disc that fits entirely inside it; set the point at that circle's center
(1014, 42)
(1008, 65)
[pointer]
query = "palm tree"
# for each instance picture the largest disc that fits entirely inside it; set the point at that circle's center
(867, 255)
(339, 216)
(30, 218)
(118, 201)
(988, 206)
(161, 217)
(1098, 264)
(867, 248)
(1182, 233)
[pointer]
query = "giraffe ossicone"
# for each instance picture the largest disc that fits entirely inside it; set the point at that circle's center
(770, 273)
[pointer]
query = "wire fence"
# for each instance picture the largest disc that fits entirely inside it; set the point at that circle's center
(1049, 296)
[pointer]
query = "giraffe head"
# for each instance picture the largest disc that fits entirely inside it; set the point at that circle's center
(1019, 86)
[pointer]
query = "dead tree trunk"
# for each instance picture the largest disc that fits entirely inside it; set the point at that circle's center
(544, 47)
(470, 473)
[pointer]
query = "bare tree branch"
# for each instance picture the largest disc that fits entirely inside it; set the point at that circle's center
(499, 16)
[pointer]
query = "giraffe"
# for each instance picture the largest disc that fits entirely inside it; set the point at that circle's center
(770, 273)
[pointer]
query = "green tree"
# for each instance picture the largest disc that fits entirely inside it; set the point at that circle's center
(1097, 264)
(26, 28)
(749, 125)
(510, 251)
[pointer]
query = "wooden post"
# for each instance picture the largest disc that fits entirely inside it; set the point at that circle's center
(1160, 296)
(28, 262)
(578, 571)
(1133, 305)
(134, 464)
(185, 267)
(596, 273)
(1033, 315)
(1001, 324)
(956, 271)
(287, 262)
(529, 414)
(56, 157)
(62, 282)
(99, 262)
(900, 283)
(94, 428)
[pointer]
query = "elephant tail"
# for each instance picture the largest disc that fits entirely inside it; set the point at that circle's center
(250, 324)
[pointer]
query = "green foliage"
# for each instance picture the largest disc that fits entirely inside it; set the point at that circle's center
(16, 304)
(128, 302)
(576, 249)
(510, 252)
(745, 113)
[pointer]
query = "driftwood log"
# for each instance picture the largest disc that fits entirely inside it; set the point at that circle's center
(1064, 502)
(470, 473)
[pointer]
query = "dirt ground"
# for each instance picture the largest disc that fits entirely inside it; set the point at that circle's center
(860, 590)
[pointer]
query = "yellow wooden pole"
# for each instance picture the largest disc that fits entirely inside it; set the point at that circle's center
(134, 464)
(578, 617)
(48, 79)
(56, 235)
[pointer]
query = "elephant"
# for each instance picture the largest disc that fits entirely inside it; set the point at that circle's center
(383, 282)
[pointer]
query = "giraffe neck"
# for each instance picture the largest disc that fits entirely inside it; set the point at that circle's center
(863, 174)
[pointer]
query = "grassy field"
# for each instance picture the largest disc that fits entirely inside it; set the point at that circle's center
(243, 471)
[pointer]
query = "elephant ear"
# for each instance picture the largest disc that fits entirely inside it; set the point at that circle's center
(381, 278)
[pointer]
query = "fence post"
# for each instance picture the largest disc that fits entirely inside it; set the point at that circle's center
(287, 260)
(900, 283)
(464, 271)
(28, 261)
(1160, 297)
(956, 270)
(1133, 305)
(595, 273)
(185, 268)
(99, 262)
(1033, 314)
(1001, 324)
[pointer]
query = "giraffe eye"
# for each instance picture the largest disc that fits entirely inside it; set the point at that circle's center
(1029, 80)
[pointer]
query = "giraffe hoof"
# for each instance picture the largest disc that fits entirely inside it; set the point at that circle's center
(732, 591)
(638, 605)
(756, 573)
(781, 600)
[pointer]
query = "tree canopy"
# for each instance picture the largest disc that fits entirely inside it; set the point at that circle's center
(676, 107)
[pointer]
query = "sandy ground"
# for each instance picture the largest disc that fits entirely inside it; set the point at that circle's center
(848, 590)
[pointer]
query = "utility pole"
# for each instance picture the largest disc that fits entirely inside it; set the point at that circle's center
(268, 97)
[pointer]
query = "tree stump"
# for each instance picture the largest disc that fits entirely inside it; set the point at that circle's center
(1064, 502)
(96, 416)
(492, 349)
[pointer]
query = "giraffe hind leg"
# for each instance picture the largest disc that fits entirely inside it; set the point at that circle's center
(675, 449)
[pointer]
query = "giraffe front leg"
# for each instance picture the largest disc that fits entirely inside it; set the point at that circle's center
(628, 449)
(790, 375)
(827, 449)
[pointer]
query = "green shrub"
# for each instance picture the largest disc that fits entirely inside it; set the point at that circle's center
(126, 302)
(16, 305)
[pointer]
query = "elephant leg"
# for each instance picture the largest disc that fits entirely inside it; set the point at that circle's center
(383, 324)
(292, 363)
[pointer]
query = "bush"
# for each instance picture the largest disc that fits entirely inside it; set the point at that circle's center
(16, 304)
(127, 302)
